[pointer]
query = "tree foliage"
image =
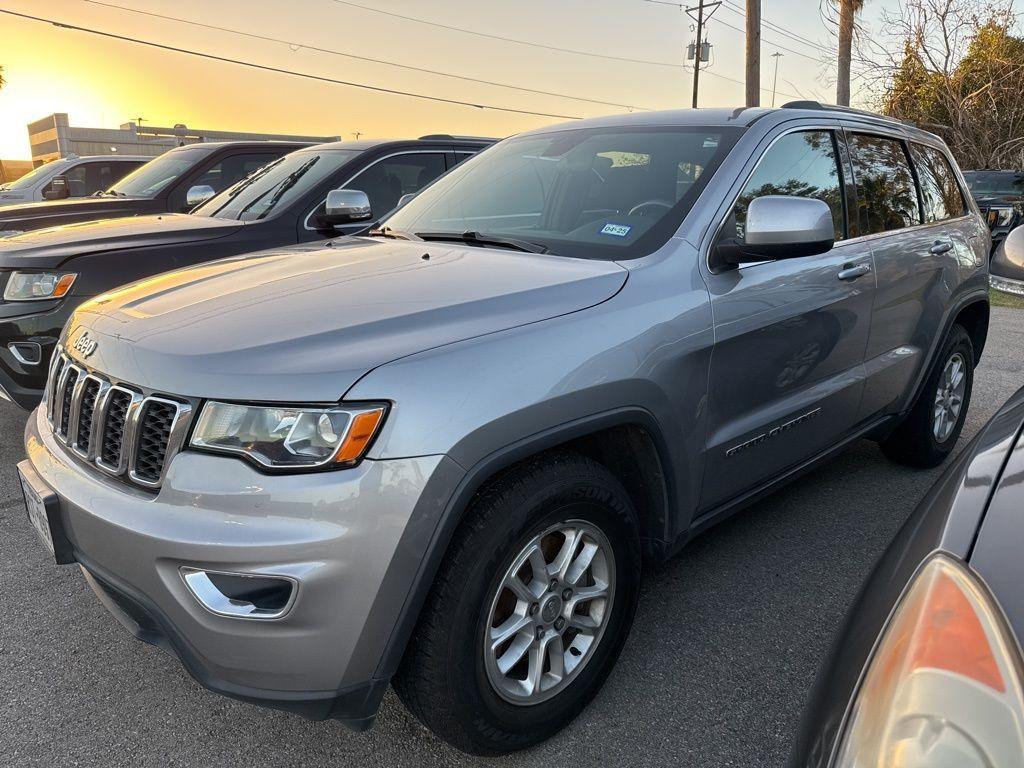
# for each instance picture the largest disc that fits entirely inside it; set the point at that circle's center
(958, 71)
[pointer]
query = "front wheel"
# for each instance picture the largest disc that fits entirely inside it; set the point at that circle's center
(931, 429)
(529, 610)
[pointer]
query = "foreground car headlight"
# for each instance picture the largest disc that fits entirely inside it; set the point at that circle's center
(29, 286)
(944, 685)
(282, 437)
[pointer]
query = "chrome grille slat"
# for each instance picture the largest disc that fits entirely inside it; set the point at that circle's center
(121, 431)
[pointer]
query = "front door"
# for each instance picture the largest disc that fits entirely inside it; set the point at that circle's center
(787, 370)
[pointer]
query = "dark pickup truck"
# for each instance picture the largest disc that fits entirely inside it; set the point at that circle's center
(174, 182)
(1000, 198)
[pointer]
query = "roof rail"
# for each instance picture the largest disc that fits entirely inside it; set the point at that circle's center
(449, 137)
(817, 105)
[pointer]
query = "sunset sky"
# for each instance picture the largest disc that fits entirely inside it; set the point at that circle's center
(102, 83)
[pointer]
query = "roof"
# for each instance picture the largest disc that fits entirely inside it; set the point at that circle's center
(743, 117)
(365, 144)
(253, 143)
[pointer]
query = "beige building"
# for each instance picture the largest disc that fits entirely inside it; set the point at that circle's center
(10, 170)
(54, 137)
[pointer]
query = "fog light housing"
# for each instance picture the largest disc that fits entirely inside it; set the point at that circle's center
(241, 595)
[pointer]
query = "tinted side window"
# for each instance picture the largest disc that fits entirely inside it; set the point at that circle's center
(886, 194)
(800, 164)
(228, 170)
(385, 182)
(76, 182)
(940, 191)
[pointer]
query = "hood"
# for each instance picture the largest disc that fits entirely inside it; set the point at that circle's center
(35, 215)
(303, 324)
(52, 246)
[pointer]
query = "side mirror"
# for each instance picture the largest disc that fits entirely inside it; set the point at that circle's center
(345, 206)
(198, 195)
(59, 189)
(780, 227)
(1009, 256)
(404, 200)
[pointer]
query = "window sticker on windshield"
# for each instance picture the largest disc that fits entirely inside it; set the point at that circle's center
(710, 143)
(616, 230)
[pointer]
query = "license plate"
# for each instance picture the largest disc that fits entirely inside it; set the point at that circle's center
(43, 510)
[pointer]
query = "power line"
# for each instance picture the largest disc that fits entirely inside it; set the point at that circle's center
(295, 46)
(770, 42)
(282, 71)
(532, 44)
(736, 8)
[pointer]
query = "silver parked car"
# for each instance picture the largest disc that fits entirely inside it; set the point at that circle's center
(440, 455)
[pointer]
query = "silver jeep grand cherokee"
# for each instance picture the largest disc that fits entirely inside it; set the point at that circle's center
(439, 456)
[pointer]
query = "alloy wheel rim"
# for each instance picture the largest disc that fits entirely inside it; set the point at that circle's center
(549, 612)
(949, 398)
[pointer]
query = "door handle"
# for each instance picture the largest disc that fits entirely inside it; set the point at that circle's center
(852, 273)
(940, 247)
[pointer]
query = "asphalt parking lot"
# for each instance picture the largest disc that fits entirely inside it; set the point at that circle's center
(724, 650)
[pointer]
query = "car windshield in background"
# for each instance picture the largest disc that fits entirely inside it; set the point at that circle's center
(276, 185)
(28, 179)
(995, 183)
(152, 178)
(611, 193)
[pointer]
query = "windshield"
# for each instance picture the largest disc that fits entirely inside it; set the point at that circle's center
(612, 193)
(150, 179)
(275, 186)
(30, 178)
(995, 183)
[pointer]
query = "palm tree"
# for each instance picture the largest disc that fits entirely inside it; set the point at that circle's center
(848, 10)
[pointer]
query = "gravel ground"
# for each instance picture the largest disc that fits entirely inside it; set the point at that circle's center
(722, 656)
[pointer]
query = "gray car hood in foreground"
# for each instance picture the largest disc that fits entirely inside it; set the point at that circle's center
(303, 324)
(53, 246)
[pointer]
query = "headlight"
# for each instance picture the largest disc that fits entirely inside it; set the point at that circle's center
(944, 685)
(282, 437)
(1000, 216)
(29, 286)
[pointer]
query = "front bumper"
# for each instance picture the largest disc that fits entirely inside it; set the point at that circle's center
(37, 323)
(1006, 284)
(341, 535)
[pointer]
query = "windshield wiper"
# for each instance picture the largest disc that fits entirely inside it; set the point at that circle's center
(478, 238)
(394, 234)
(109, 193)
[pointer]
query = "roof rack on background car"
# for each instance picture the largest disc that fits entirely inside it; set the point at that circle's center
(450, 137)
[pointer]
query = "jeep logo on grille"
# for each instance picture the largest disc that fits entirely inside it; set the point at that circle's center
(85, 345)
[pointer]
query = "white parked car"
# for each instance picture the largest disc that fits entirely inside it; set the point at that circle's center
(71, 176)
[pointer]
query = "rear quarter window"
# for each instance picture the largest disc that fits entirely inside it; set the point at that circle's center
(940, 191)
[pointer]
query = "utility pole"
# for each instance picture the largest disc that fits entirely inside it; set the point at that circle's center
(699, 48)
(357, 134)
(753, 76)
(775, 80)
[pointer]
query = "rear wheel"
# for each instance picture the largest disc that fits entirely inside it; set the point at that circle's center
(931, 430)
(529, 610)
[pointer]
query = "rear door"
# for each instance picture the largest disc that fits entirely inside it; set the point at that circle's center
(787, 369)
(917, 243)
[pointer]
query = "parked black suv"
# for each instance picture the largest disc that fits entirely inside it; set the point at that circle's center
(1000, 198)
(46, 274)
(174, 182)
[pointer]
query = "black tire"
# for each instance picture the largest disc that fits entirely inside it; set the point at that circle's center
(914, 442)
(442, 679)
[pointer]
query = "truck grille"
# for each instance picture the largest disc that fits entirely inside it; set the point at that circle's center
(123, 431)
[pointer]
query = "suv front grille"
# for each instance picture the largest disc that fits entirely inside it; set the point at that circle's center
(154, 432)
(118, 428)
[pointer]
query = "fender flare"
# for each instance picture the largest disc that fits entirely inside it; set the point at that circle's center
(974, 297)
(474, 478)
